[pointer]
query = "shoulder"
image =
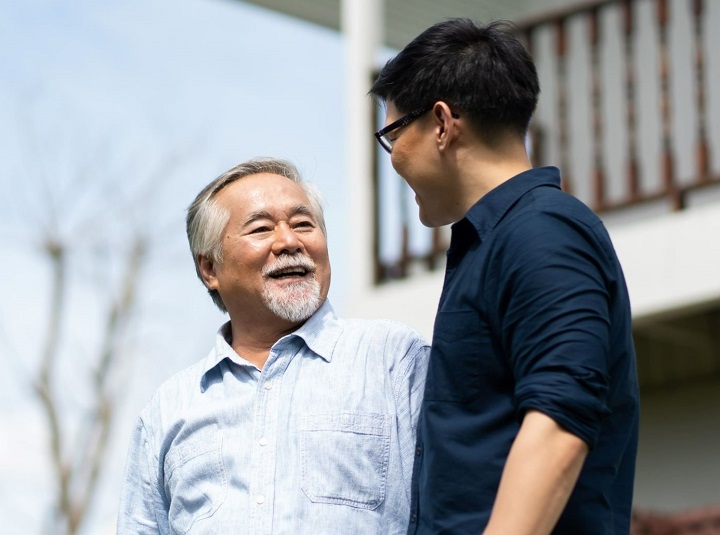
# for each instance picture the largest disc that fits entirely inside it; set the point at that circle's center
(550, 240)
(387, 347)
(552, 204)
(382, 331)
(397, 346)
(174, 394)
(550, 220)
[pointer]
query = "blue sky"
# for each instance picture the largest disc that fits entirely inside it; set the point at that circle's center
(113, 115)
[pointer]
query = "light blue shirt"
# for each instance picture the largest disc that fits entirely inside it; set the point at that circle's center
(321, 441)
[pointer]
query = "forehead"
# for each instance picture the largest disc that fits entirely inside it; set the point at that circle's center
(263, 191)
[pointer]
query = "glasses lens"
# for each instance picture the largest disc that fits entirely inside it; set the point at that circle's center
(386, 142)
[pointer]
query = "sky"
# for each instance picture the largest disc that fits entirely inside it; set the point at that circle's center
(113, 115)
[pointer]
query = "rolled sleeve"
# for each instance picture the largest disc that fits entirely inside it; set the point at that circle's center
(573, 402)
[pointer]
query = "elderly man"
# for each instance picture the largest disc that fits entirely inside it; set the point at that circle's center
(297, 421)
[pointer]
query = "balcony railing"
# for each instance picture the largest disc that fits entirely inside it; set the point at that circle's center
(629, 111)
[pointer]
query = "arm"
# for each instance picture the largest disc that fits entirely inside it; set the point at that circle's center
(408, 389)
(555, 329)
(540, 473)
(141, 509)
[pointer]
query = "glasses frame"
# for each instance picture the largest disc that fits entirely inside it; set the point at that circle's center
(402, 121)
(405, 120)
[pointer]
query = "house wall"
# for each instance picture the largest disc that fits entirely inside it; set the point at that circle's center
(671, 259)
(678, 465)
(412, 301)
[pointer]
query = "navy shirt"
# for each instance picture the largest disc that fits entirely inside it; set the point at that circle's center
(534, 314)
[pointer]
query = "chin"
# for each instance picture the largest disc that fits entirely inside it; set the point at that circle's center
(296, 303)
(430, 221)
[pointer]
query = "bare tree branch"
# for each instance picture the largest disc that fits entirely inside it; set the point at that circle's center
(104, 411)
(77, 467)
(96, 203)
(44, 384)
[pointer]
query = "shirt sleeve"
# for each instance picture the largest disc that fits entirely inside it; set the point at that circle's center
(408, 389)
(142, 510)
(553, 304)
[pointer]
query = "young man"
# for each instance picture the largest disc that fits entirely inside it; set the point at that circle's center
(530, 417)
(297, 421)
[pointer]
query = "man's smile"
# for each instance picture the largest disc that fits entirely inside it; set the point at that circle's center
(289, 272)
(290, 269)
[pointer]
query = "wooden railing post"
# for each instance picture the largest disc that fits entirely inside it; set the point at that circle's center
(378, 267)
(436, 249)
(633, 171)
(703, 150)
(561, 57)
(667, 158)
(404, 261)
(597, 121)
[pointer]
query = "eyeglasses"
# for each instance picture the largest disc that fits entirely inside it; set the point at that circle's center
(382, 135)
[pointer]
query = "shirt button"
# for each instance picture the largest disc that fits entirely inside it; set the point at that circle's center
(268, 386)
(260, 499)
(418, 451)
(413, 518)
(263, 441)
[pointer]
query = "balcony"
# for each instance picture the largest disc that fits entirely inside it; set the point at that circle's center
(629, 111)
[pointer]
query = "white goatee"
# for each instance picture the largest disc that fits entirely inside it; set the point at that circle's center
(297, 301)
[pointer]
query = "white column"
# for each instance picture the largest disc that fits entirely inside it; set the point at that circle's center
(362, 23)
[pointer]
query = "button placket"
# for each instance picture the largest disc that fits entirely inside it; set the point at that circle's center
(261, 486)
(265, 433)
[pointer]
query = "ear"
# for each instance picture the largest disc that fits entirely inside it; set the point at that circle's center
(446, 129)
(207, 271)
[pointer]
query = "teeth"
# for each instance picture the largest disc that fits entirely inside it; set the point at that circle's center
(299, 266)
(294, 269)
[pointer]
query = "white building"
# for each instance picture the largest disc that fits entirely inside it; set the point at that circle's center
(630, 112)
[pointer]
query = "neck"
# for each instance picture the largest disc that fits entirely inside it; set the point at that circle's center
(481, 169)
(252, 338)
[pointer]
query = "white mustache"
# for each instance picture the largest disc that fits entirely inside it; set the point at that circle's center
(289, 261)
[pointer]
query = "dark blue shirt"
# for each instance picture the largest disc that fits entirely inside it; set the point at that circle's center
(534, 314)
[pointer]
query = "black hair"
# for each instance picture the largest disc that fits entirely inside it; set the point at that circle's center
(480, 71)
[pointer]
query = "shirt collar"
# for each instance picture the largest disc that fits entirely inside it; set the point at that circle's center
(490, 209)
(320, 333)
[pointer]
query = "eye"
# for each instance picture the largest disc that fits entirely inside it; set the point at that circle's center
(305, 224)
(261, 229)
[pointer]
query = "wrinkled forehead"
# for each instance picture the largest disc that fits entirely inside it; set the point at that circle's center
(264, 192)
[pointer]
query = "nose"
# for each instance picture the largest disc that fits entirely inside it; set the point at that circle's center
(286, 241)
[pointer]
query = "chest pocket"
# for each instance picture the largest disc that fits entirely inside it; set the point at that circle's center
(345, 457)
(461, 342)
(195, 481)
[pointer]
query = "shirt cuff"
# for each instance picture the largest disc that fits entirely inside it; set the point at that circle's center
(576, 403)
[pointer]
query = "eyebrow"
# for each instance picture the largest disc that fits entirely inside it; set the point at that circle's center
(299, 209)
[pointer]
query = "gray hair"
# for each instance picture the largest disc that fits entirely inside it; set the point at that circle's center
(206, 219)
